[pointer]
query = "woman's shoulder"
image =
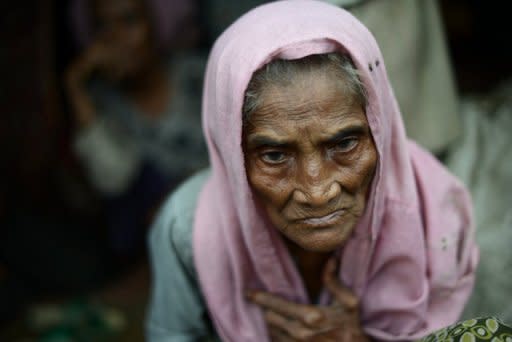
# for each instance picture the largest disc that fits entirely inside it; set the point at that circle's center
(183, 200)
(177, 310)
(172, 228)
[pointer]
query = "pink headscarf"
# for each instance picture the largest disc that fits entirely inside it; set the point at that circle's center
(168, 18)
(412, 256)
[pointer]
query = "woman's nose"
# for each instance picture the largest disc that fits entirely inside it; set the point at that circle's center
(315, 186)
(317, 195)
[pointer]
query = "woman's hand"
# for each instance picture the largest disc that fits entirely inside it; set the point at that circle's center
(98, 56)
(289, 321)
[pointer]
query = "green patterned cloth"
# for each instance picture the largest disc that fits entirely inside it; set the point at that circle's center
(472, 330)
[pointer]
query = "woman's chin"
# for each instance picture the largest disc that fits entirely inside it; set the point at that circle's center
(322, 240)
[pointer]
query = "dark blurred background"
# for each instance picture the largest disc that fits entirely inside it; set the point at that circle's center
(476, 34)
(60, 275)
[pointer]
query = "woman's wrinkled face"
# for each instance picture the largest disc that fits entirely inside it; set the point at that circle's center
(124, 27)
(310, 159)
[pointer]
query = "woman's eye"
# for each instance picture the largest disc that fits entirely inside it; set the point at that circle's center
(347, 144)
(273, 157)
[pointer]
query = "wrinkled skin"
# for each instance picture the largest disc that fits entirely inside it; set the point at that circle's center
(310, 159)
(288, 321)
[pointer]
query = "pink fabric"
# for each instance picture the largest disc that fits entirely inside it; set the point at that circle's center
(412, 256)
(168, 17)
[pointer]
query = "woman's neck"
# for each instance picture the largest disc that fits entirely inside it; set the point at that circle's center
(311, 266)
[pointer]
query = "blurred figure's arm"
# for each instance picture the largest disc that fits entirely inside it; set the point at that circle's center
(111, 160)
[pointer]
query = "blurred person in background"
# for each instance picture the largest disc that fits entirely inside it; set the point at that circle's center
(136, 103)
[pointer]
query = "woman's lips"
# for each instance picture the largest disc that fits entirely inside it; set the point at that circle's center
(322, 221)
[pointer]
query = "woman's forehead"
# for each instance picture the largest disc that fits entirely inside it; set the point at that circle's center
(305, 94)
(318, 117)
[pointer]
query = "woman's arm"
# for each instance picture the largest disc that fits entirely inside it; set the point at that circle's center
(176, 311)
(110, 159)
(94, 58)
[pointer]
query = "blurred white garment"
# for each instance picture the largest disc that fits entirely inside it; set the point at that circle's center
(411, 37)
(483, 161)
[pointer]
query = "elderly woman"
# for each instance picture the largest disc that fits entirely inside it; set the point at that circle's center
(318, 220)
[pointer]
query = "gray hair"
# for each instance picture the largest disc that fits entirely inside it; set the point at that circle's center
(281, 72)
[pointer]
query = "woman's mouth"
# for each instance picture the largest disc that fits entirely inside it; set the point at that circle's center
(323, 221)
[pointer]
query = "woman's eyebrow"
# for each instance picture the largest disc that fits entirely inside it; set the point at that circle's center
(257, 141)
(356, 129)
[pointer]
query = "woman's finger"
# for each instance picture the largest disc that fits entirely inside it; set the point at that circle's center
(341, 293)
(308, 315)
(292, 328)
